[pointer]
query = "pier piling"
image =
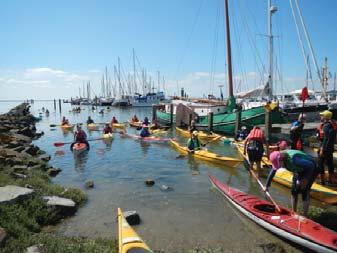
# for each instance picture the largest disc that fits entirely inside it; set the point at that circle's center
(210, 121)
(171, 115)
(267, 128)
(238, 120)
(60, 105)
(54, 104)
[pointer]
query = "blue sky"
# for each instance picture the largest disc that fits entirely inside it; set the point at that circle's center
(50, 47)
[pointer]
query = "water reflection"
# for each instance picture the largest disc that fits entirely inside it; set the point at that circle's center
(81, 160)
(144, 146)
(194, 166)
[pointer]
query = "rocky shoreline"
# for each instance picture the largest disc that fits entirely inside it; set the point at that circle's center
(28, 199)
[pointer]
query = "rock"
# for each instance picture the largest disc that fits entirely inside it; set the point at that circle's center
(13, 144)
(58, 201)
(89, 184)
(18, 175)
(22, 138)
(149, 182)
(26, 131)
(12, 192)
(3, 235)
(44, 157)
(53, 171)
(19, 149)
(34, 248)
(19, 168)
(166, 188)
(132, 217)
(41, 152)
(29, 186)
(32, 150)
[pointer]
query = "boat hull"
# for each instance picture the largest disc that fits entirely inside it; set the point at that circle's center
(286, 224)
(79, 148)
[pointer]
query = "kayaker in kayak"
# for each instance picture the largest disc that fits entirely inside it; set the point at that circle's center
(90, 121)
(242, 134)
(254, 147)
(194, 143)
(155, 125)
(80, 137)
(135, 118)
(326, 135)
(64, 121)
(146, 121)
(107, 129)
(101, 111)
(296, 131)
(114, 120)
(304, 172)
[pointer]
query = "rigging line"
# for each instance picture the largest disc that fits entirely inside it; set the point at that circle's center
(215, 47)
(309, 41)
(304, 54)
(252, 44)
(189, 38)
(243, 76)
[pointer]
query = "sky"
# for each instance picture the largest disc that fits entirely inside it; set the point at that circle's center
(50, 48)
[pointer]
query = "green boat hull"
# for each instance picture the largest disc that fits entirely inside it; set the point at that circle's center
(225, 123)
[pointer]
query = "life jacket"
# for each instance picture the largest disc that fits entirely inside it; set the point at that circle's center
(289, 161)
(107, 130)
(320, 132)
(256, 134)
(193, 144)
(80, 136)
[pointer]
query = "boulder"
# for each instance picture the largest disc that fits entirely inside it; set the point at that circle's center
(32, 150)
(149, 182)
(18, 175)
(12, 192)
(44, 157)
(132, 217)
(3, 235)
(22, 138)
(53, 171)
(89, 184)
(19, 168)
(19, 149)
(26, 131)
(58, 201)
(13, 144)
(34, 248)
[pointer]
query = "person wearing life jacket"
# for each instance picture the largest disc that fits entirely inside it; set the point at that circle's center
(241, 134)
(80, 137)
(114, 120)
(304, 171)
(135, 118)
(146, 121)
(327, 135)
(254, 147)
(194, 143)
(296, 131)
(107, 129)
(90, 121)
(64, 121)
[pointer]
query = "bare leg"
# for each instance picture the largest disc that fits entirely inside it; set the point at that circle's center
(294, 200)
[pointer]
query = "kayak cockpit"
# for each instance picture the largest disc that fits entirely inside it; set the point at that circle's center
(138, 250)
(269, 209)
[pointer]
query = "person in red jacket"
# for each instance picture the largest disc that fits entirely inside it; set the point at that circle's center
(80, 137)
(254, 147)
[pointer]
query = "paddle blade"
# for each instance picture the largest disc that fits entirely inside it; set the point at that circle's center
(59, 144)
(52, 125)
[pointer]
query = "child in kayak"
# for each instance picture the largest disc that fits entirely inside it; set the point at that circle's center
(90, 121)
(107, 129)
(194, 143)
(304, 171)
(79, 137)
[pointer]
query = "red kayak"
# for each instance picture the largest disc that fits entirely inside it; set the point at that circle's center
(79, 148)
(150, 138)
(286, 223)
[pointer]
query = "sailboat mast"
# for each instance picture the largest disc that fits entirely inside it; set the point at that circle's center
(134, 71)
(229, 53)
(271, 11)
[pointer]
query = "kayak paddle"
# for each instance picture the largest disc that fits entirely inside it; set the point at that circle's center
(61, 144)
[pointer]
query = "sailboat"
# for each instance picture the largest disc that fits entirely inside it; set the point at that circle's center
(225, 122)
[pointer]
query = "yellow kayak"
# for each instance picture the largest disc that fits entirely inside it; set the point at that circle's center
(202, 135)
(118, 125)
(158, 131)
(92, 126)
(67, 127)
(128, 239)
(135, 123)
(284, 177)
(108, 136)
(208, 156)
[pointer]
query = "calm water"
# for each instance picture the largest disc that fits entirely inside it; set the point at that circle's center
(192, 214)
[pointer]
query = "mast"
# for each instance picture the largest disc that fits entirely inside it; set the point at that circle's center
(119, 77)
(325, 77)
(271, 11)
(134, 70)
(334, 83)
(158, 72)
(229, 53)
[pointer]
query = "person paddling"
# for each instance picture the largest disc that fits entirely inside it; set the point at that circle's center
(304, 172)
(145, 128)
(107, 129)
(64, 121)
(114, 120)
(135, 118)
(242, 134)
(193, 143)
(90, 121)
(79, 137)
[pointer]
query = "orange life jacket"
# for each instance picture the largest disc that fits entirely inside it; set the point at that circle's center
(256, 134)
(320, 133)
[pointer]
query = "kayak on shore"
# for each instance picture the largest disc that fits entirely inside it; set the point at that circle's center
(128, 240)
(207, 155)
(286, 224)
